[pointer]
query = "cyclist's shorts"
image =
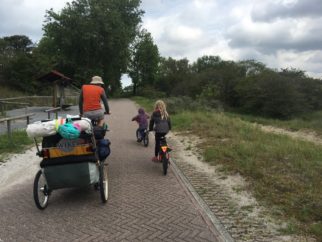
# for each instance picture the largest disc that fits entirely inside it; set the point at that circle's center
(94, 114)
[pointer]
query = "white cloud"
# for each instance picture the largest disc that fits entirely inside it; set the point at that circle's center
(26, 16)
(174, 39)
(183, 34)
(307, 60)
(282, 9)
(279, 33)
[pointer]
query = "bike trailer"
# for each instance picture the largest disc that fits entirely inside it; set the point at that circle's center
(71, 158)
(69, 163)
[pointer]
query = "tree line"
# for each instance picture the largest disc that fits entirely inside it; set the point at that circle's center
(247, 86)
(86, 38)
(105, 37)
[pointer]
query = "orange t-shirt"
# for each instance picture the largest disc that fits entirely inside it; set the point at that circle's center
(92, 97)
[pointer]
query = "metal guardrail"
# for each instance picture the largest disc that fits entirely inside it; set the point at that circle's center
(8, 120)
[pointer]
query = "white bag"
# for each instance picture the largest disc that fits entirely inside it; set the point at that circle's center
(85, 124)
(41, 129)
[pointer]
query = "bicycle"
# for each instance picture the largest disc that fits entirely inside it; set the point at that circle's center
(102, 185)
(164, 156)
(145, 137)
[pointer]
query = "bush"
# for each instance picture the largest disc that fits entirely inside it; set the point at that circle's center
(178, 104)
(150, 92)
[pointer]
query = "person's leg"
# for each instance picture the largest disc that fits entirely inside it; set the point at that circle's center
(142, 133)
(101, 122)
(157, 144)
(139, 135)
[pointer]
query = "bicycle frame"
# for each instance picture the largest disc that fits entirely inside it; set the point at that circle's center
(164, 154)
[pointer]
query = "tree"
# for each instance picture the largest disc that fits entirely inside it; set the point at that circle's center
(217, 79)
(92, 37)
(205, 63)
(174, 77)
(144, 61)
(17, 64)
(12, 46)
(310, 88)
(252, 67)
(271, 94)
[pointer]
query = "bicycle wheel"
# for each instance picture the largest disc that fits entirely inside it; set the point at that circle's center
(165, 163)
(103, 182)
(41, 192)
(146, 139)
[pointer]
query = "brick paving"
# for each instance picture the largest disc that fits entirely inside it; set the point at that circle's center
(143, 205)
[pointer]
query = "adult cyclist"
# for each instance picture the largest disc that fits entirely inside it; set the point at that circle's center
(90, 100)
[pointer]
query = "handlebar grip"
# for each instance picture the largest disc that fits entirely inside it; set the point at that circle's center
(78, 118)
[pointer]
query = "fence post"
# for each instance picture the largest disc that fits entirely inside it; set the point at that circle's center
(9, 129)
(28, 120)
(48, 115)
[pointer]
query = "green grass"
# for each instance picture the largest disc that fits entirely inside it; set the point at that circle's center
(147, 104)
(284, 174)
(6, 92)
(18, 142)
(308, 122)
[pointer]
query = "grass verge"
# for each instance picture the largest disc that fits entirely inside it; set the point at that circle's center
(18, 142)
(147, 104)
(6, 92)
(284, 174)
(308, 122)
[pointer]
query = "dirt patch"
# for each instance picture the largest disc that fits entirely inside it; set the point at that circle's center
(303, 135)
(17, 168)
(187, 147)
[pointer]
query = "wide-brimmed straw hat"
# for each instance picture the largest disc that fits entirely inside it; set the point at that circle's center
(97, 80)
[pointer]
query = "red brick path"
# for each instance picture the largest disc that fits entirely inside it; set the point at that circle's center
(143, 205)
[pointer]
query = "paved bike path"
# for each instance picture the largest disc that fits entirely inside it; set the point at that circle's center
(143, 204)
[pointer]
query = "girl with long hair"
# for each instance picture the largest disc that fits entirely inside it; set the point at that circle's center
(160, 123)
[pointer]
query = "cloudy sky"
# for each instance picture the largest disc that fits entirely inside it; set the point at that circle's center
(279, 33)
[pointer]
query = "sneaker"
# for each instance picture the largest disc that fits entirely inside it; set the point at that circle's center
(155, 159)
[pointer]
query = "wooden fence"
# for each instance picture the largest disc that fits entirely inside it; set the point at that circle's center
(9, 120)
(4, 106)
(53, 110)
(7, 104)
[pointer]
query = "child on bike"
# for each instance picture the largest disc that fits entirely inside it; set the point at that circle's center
(142, 119)
(160, 122)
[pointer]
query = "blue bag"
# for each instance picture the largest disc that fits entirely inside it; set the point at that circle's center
(103, 148)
